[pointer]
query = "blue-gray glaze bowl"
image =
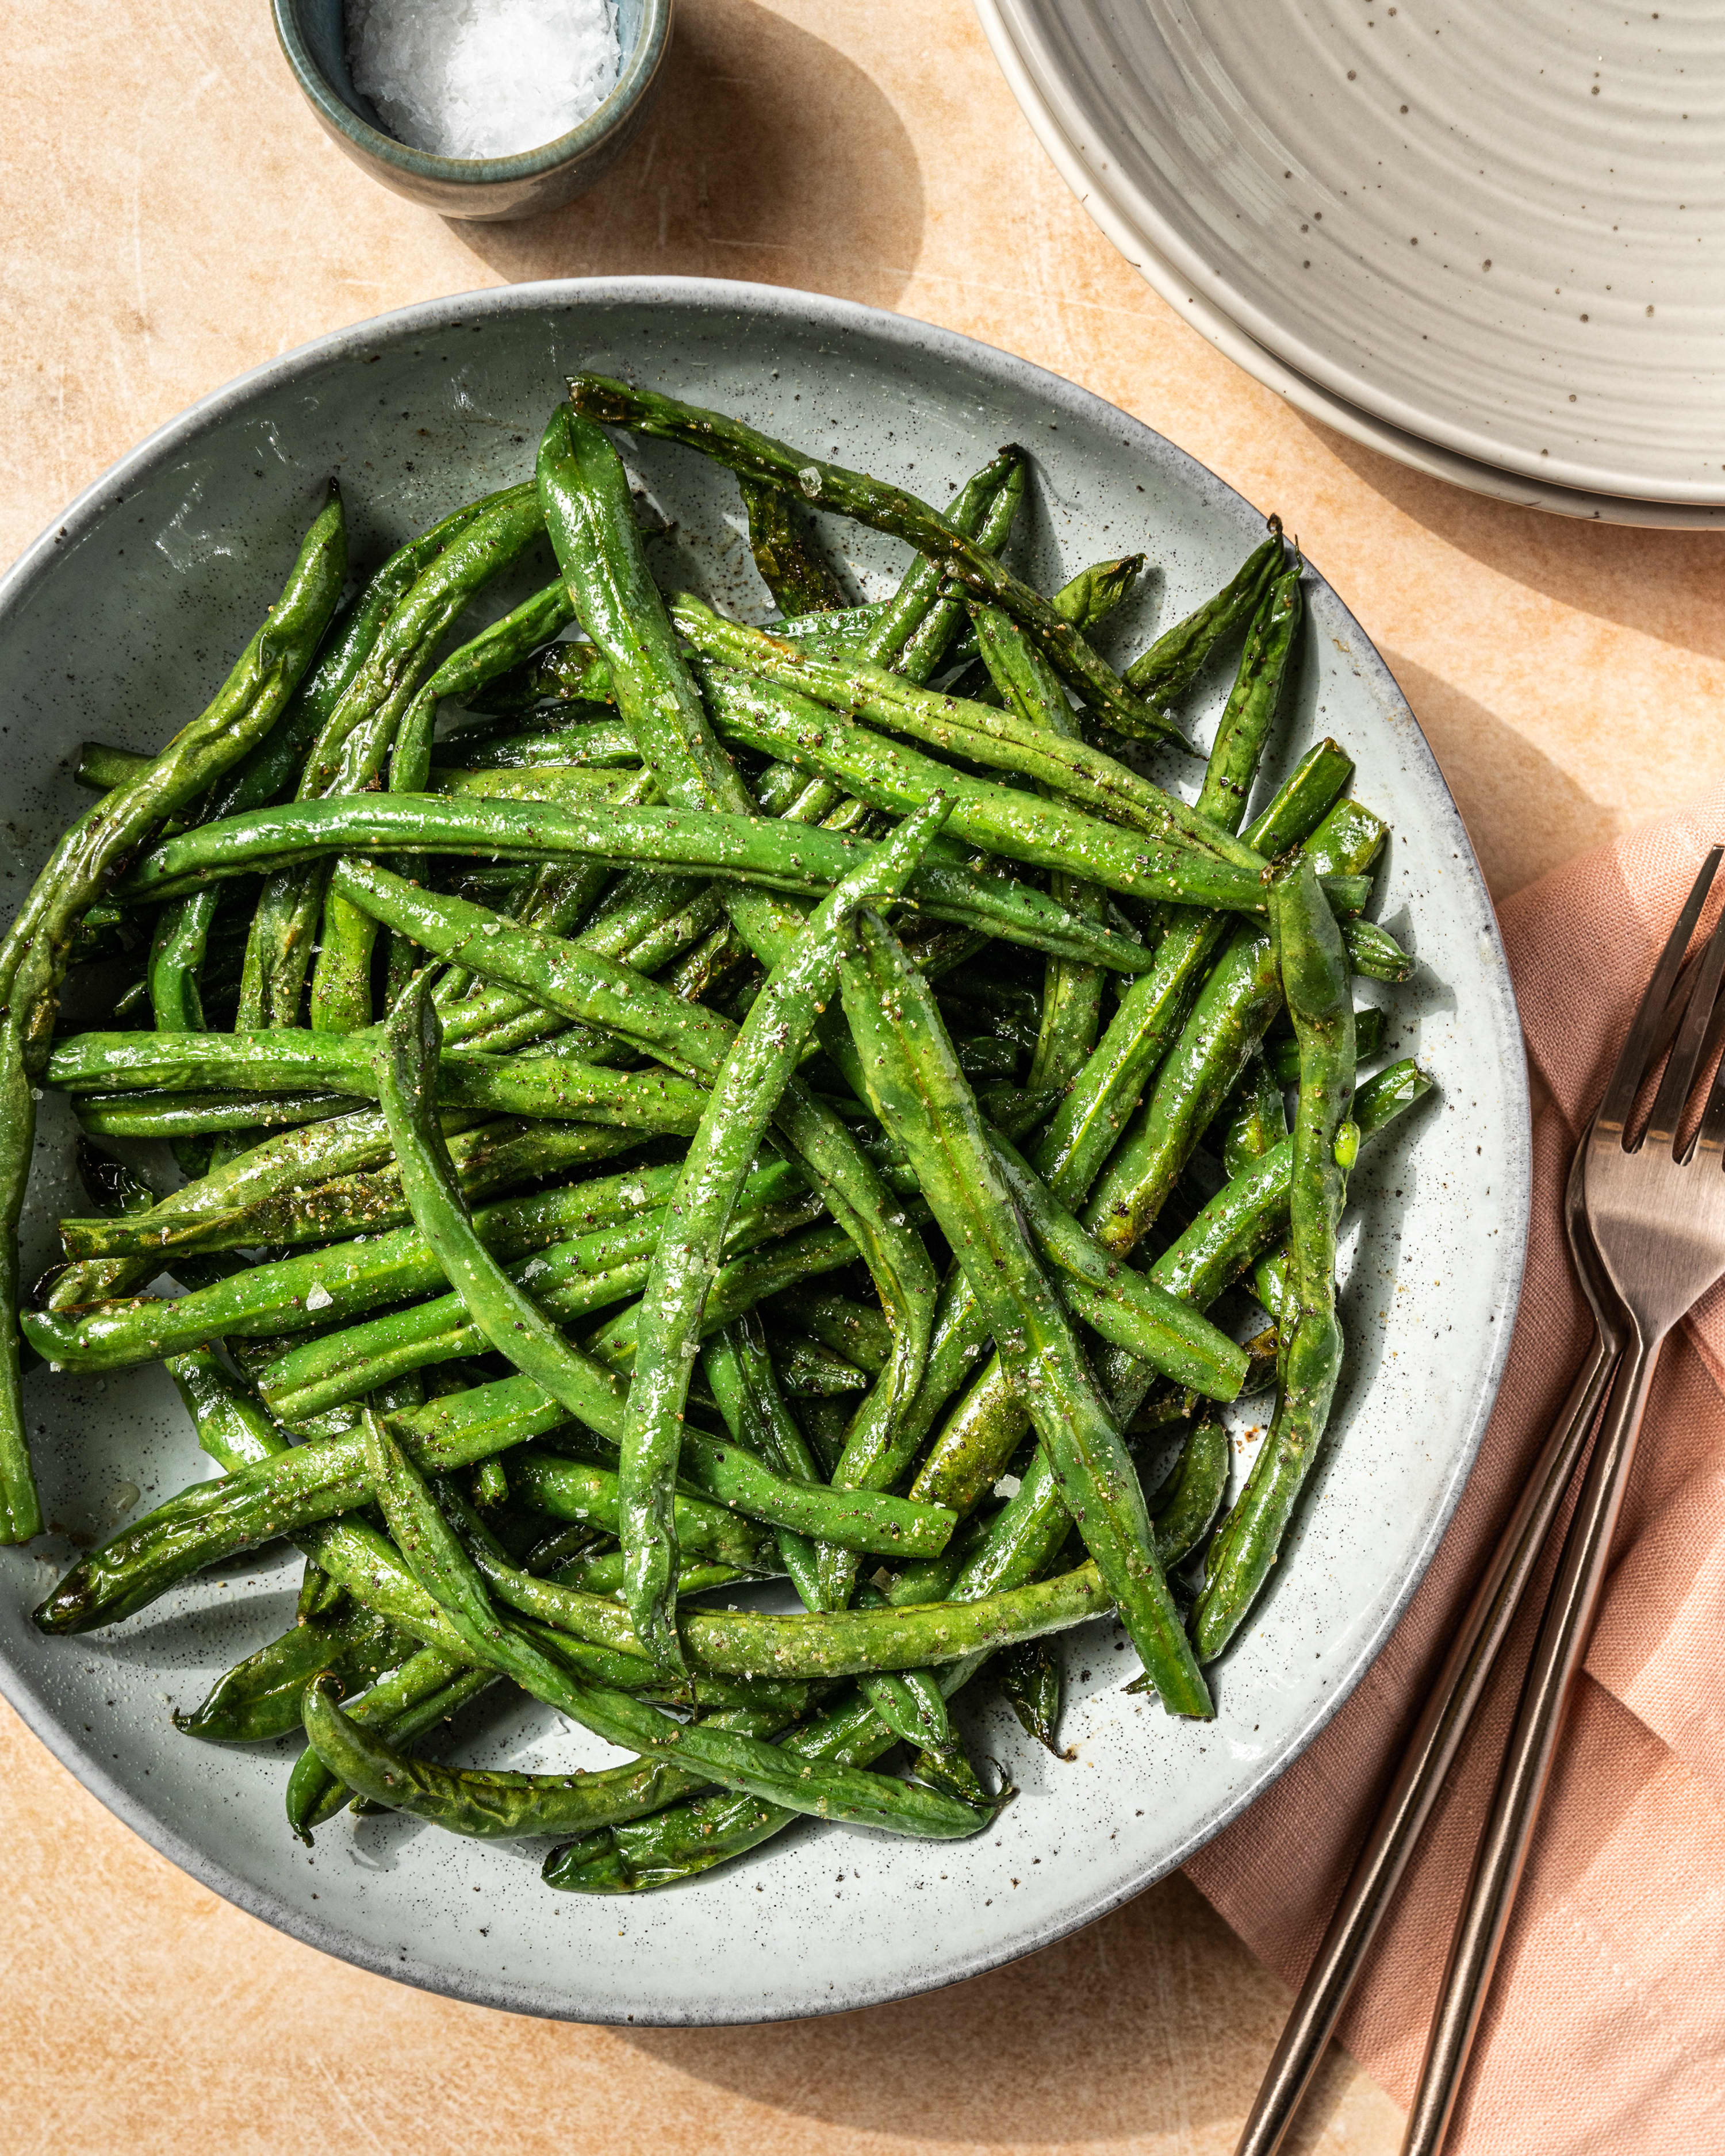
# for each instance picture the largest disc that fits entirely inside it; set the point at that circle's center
(489, 189)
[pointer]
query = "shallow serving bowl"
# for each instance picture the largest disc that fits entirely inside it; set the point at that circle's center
(120, 621)
(313, 39)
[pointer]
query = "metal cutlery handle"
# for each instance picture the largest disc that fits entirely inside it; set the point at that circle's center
(1436, 1738)
(1563, 1635)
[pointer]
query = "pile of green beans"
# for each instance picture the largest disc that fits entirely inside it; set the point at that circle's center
(696, 1105)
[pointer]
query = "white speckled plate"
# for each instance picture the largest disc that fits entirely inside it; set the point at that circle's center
(1491, 230)
(118, 622)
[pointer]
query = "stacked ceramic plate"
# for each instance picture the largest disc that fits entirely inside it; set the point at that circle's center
(1484, 240)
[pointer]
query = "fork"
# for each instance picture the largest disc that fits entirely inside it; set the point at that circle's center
(1455, 1698)
(1656, 1209)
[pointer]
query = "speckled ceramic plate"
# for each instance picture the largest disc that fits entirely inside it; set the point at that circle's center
(118, 622)
(1090, 184)
(1487, 228)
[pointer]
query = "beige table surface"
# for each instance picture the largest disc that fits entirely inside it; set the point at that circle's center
(174, 216)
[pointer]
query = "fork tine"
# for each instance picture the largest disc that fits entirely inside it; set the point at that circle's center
(1665, 1121)
(1671, 1017)
(1711, 1137)
(1632, 1064)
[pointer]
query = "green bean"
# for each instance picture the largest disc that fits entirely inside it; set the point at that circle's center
(278, 946)
(103, 767)
(274, 1169)
(427, 1689)
(1028, 1532)
(351, 752)
(849, 1642)
(911, 632)
(259, 1697)
(1247, 1218)
(326, 1286)
(1087, 1124)
(1260, 684)
(181, 942)
(741, 1373)
(325, 1478)
(576, 671)
(1245, 1547)
(1128, 1309)
(1250, 1213)
(745, 1096)
(920, 1094)
(342, 1064)
(502, 1806)
(598, 548)
(891, 776)
(35, 949)
(808, 1371)
(493, 652)
(319, 1596)
(1167, 670)
(444, 1569)
(769, 1650)
(571, 672)
(1228, 1021)
(1003, 739)
(800, 858)
(886, 508)
(1033, 1682)
(1374, 952)
(571, 783)
(911, 629)
(1090, 597)
(508, 1317)
(1281, 1053)
(603, 1574)
(318, 1479)
(697, 1041)
(1070, 1017)
(914, 628)
(574, 1489)
(596, 745)
(490, 1157)
(153, 1115)
(567, 1279)
(371, 1565)
(1185, 1507)
(988, 1424)
(689, 1839)
(799, 581)
(862, 1336)
(1255, 1116)
(235, 1432)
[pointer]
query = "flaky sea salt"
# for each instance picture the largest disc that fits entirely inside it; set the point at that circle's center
(482, 78)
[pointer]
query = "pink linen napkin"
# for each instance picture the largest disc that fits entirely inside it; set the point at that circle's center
(1605, 2028)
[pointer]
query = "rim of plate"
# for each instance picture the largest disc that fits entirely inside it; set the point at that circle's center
(1280, 360)
(973, 355)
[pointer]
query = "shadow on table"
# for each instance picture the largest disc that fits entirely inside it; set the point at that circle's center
(1524, 815)
(768, 156)
(1154, 2021)
(1664, 583)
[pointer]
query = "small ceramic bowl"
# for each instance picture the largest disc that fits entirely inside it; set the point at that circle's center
(313, 37)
